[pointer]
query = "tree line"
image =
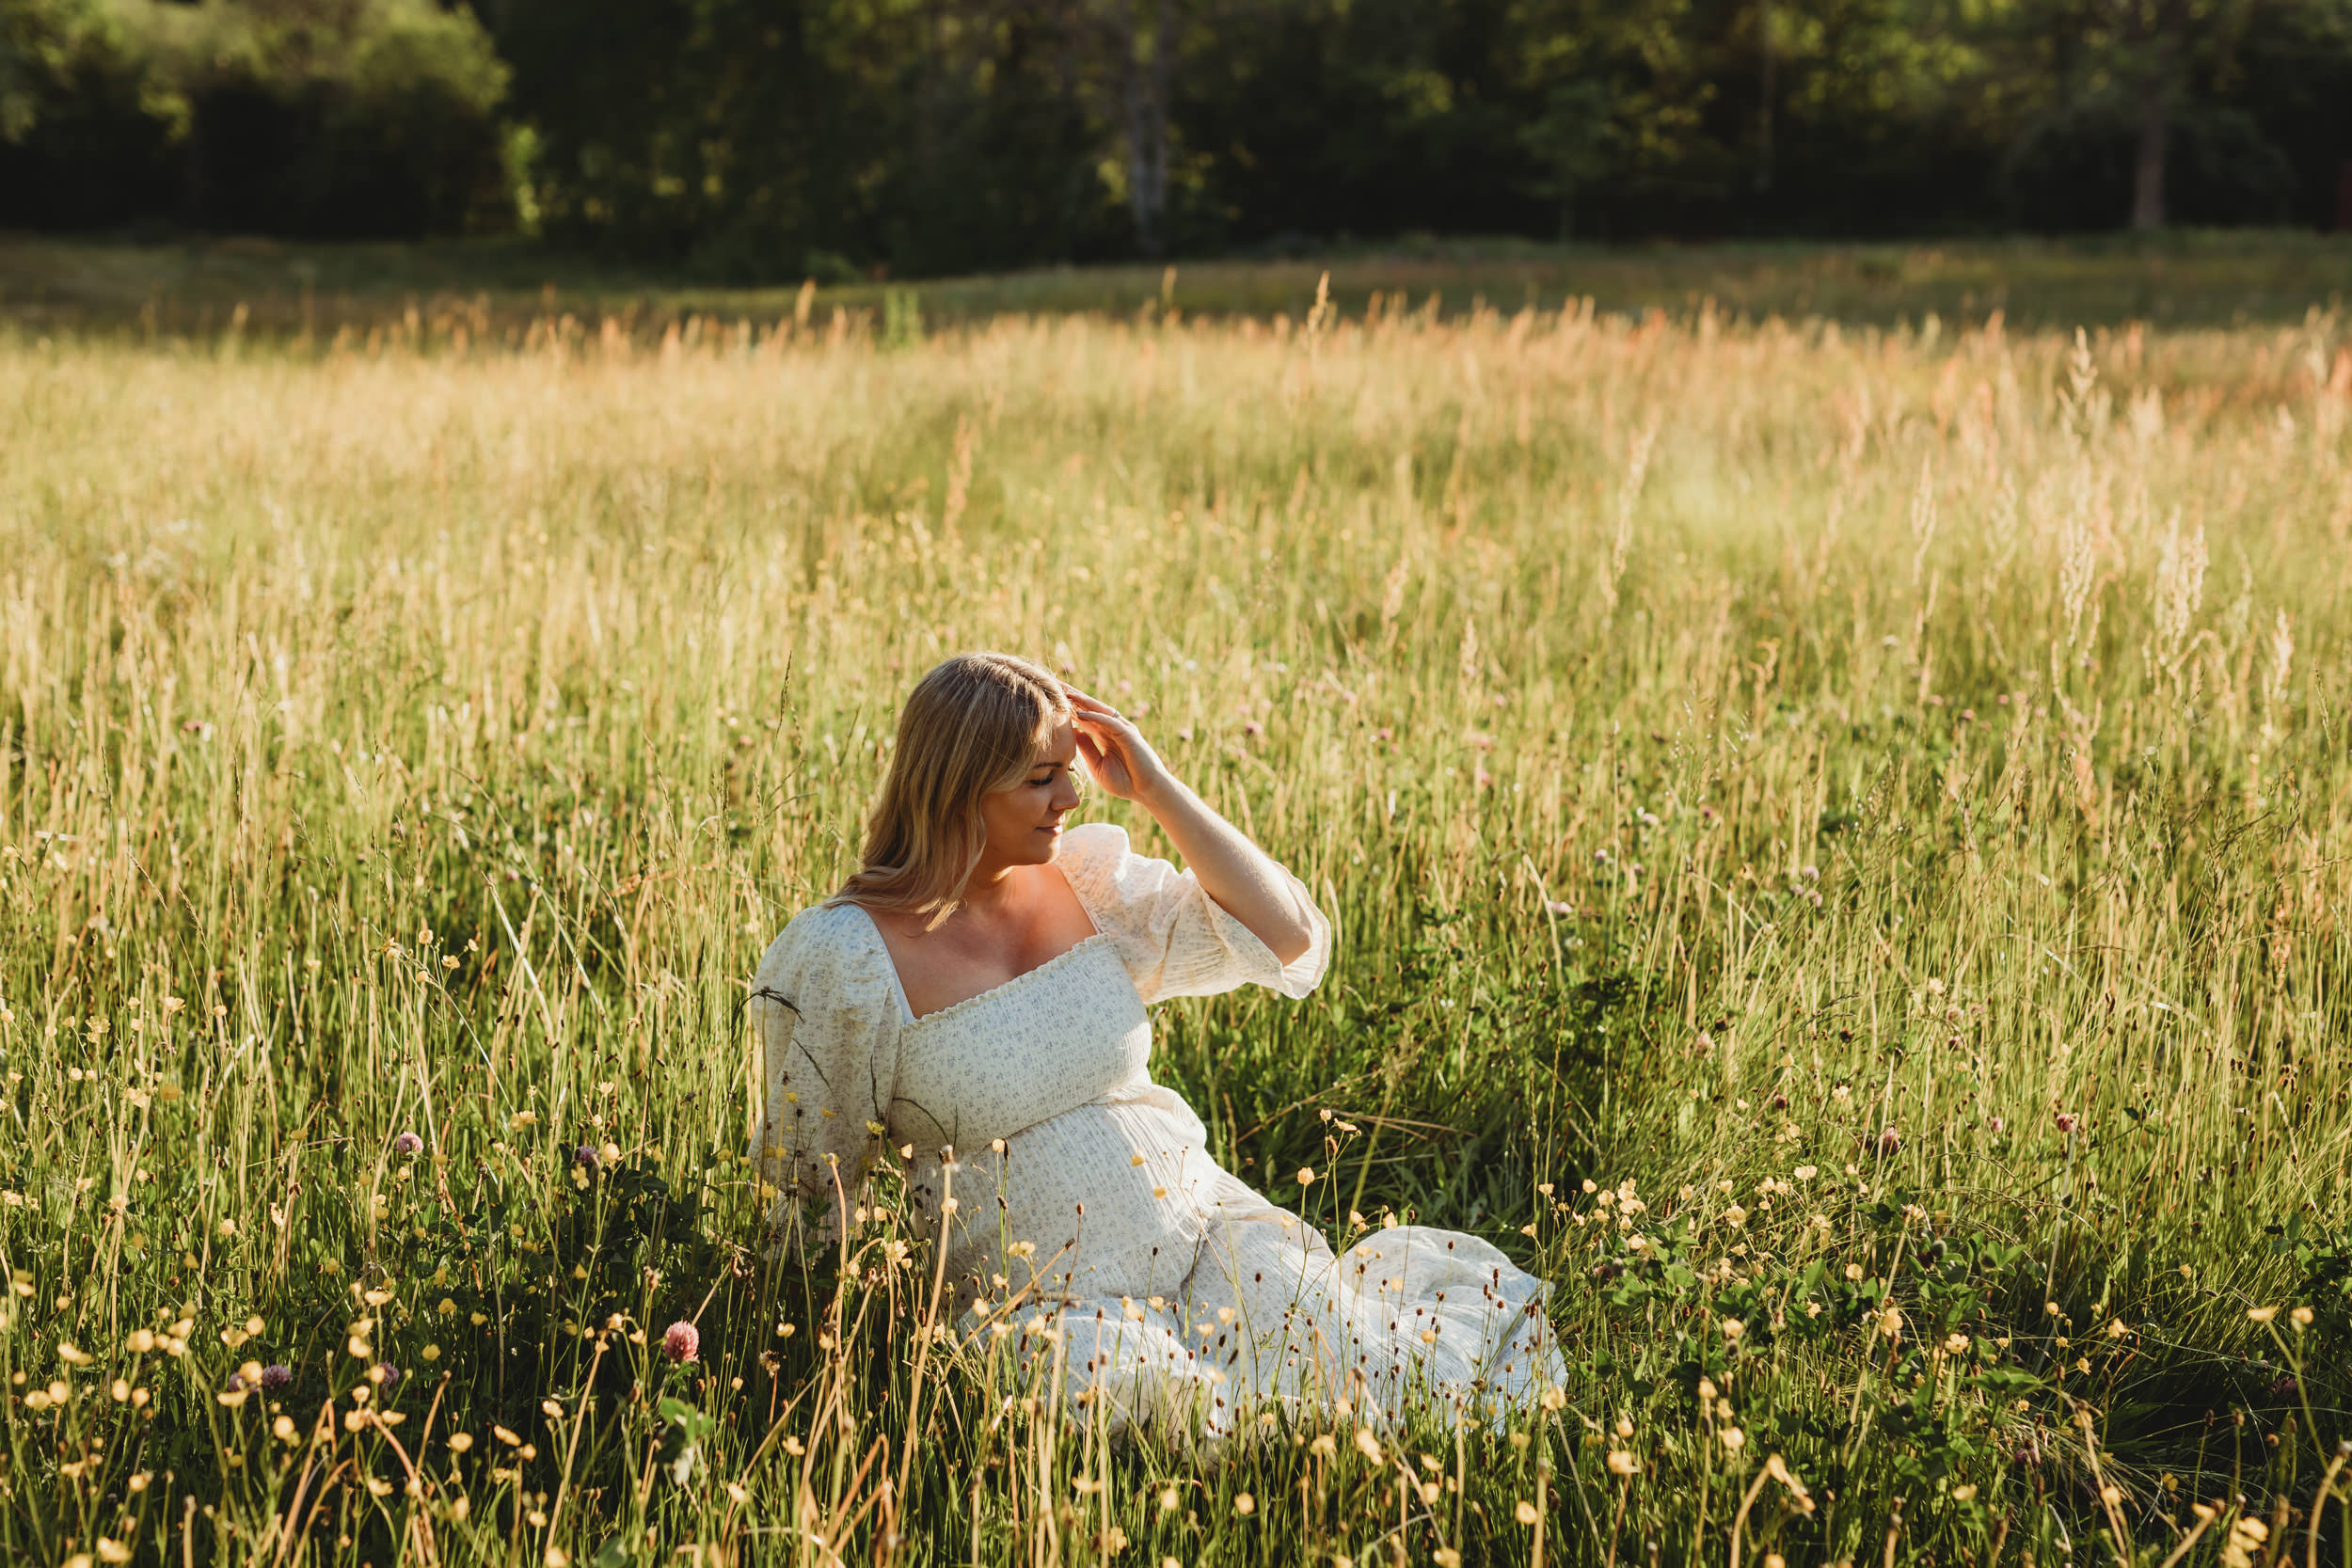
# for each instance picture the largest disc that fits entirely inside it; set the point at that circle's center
(762, 139)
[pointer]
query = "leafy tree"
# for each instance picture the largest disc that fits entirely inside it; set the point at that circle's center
(80, 143)
(320, 117)
(770, 139)
(2151, 111)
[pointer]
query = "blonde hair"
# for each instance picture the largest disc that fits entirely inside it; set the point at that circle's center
(974, 725)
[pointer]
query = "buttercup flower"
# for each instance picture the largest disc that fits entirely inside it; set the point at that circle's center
(2245, 1543)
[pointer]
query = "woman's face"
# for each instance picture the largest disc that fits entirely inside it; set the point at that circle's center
(1024, 823)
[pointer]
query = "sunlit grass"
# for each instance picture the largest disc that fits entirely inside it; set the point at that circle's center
(1839, 840)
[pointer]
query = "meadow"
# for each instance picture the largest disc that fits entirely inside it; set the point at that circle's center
(497, 287)
(1838, 835)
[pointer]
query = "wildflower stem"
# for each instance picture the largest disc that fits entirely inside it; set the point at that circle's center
(2205, 1522)
(923, 1326)
(2118, 1535)
(2319, 1506)
(571, 1451)
(1739, 1520)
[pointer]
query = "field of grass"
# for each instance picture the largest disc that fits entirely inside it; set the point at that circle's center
(1840, 841)
(494, 289)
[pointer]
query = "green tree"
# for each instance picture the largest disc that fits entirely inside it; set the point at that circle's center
(2161, 111)
(1571, 141)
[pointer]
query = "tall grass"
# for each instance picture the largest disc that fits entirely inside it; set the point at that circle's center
(496, 287)
(1839, 840)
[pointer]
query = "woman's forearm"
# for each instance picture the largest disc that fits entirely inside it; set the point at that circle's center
(1243, 878)
(1238, 874)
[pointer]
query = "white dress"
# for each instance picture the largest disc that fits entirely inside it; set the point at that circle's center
(1171, 1293)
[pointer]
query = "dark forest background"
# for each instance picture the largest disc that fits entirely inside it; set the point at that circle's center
(749, 140)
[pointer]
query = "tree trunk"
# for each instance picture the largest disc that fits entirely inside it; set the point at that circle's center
(2148, 180)
(1147, 126)
(1765, 85)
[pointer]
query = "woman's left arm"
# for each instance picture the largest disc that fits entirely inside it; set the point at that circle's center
(1243, 878)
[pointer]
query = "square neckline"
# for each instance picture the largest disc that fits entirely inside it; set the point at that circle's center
(908, 1018)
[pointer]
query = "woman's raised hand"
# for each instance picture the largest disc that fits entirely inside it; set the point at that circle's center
(1234, 871)
(1117, 756)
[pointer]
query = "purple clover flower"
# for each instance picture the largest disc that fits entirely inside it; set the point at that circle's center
(682, 1342)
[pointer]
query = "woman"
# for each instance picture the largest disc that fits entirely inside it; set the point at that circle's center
(977, 993)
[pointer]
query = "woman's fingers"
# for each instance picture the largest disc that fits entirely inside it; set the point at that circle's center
(1115, 750)
(1093, 711)
(1107, 765)
(1098, 741)
(1108, 746)
(1107, 717)
(1108, 731)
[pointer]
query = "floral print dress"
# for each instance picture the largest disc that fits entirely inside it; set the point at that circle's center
(1172, 1294)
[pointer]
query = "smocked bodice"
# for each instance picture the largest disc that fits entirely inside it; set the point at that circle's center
(1098, 1166)
(1069, 1032)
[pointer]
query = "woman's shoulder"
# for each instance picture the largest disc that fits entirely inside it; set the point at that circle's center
(1094, 842)
(1093, 856)
(835, 938)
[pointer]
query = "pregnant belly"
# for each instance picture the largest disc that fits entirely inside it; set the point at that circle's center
(1109, 1198)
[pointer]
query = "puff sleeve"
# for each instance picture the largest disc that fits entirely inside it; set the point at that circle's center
(826, 1011)
(1174, 938)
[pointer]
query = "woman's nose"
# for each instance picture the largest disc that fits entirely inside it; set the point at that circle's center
(1064, 792)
